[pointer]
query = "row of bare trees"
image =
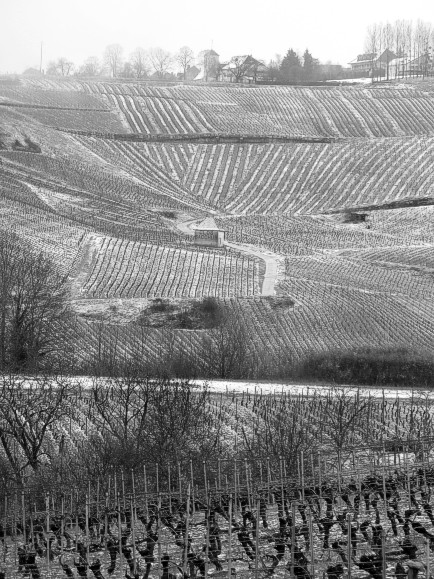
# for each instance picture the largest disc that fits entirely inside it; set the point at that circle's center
(400, 48)
(62, 429)
(140, 64)
(60, 432)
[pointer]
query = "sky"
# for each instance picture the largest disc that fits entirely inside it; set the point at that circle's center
(332, 30)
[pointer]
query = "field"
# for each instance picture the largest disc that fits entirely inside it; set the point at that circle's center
(325, 196)
(302, 469)
(326, 199)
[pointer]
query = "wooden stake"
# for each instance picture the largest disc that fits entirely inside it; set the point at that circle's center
(230, 538)
(158, 534)
(87, 526)
(292, 539)
(119, 531)
(205, 478)
(349, 544)
(192, 488)
(207, 516)
(319, 474)
(311, 543)
(302, 474)
(179, 482)
(106, 526)
(62, 526)
(97, 505)
(123, 489)
(383, 553)
(170, 488)
(268, 480)
(47, 507)
(384, 482)
(258, 514)
(23, 517)
(235, 488)
(249, 501)
(187, 514)
(282, 507)
(4, 528)
(133, 533)
(145, 481)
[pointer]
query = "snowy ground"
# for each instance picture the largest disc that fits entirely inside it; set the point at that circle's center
(264, 387)
(286, 387)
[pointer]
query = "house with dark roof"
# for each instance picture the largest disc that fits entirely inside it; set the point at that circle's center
(372, 62)
(207, 233)
(243, 69)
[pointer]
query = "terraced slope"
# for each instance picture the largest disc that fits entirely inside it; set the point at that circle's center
(286, 111)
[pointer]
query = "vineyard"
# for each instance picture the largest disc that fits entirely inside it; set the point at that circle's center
(281, 178)
(127, 269)
(341, 215)
(321, 482)
(312, 112)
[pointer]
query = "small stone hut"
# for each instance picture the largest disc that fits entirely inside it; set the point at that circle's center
(209, 234)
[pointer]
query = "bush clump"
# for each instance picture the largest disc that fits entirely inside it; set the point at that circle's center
(160, 305)
(370, 366)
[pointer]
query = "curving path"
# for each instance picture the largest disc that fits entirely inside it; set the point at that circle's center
(270, 259)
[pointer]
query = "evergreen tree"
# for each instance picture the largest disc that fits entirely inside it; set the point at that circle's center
(291, 68)
(310, 65)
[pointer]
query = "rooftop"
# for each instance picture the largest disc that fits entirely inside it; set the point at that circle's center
(208, 224)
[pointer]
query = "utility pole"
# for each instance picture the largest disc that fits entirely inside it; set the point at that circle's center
(40, 61)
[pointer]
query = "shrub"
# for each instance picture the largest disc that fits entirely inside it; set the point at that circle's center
(31, 146)
(370, 366)
(160, 305)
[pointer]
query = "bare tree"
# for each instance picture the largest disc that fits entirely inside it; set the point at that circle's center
(140, 62)
(372, 45)
(62, 66)
(240, 66)
(33, 306)
(185, 58)
(226, 348)
(91, 67)
(344, 414)
(273, 68)
(113, 58)
(181, 423)
(161, 61)
(387, 32)
(422, 36)
(279, 433)
(29, 411)
(65, 66)
(121, 405)
(52, 68)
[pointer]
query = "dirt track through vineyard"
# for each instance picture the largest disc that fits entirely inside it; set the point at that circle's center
(270, 259)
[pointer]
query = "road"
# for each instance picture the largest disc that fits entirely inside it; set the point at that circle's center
(270, 259)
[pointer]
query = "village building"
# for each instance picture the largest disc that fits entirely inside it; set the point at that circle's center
(389, 65)
(207, 233)
(209, 62)
(371, 63)
(243, 69)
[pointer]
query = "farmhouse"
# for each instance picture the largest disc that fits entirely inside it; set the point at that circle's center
(371, 62)
(243, 69)
(209, 234)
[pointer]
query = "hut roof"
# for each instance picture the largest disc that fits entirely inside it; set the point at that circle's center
(208, 224)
